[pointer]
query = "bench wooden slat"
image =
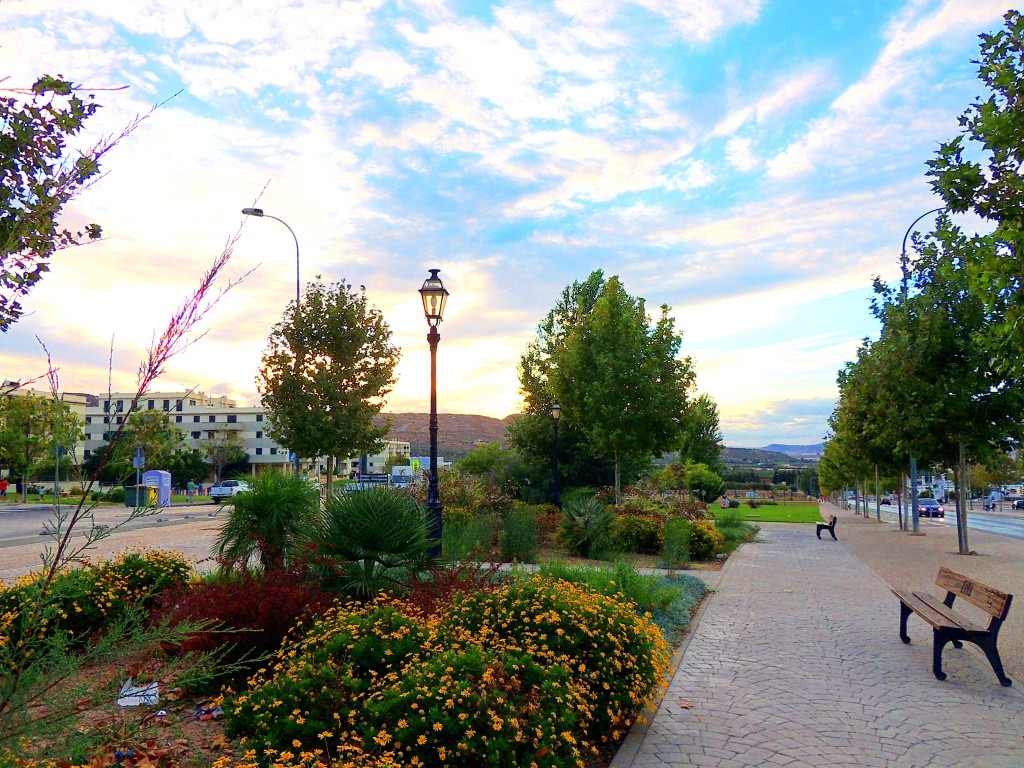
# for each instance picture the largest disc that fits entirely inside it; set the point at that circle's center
(925, 611)
(992, 601)
(954, 617)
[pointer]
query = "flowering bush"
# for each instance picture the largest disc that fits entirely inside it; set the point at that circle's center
(532, 672)
(85, 598)
(705, 540)
(638, 533)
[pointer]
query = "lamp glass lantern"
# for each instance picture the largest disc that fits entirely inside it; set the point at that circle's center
(434, 296)
(556, 411)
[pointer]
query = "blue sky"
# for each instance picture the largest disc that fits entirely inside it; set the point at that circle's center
(752, 164)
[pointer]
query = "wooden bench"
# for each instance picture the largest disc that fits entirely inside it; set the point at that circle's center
(948, 626)
(830, 526)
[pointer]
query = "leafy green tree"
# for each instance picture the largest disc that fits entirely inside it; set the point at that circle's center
(40, 176)
(703, 483)
(30, 428)
(991, 186)
(325, 373)
(187, 464)
(701, 435)
(152, 431)
(222, 450)
(619, 379)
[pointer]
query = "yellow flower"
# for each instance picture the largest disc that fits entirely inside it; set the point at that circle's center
(438, 727)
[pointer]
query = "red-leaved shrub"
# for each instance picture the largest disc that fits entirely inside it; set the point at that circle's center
(253, 611)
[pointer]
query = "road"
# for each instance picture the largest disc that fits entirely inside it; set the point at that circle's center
(1006, 524)
(25, 524)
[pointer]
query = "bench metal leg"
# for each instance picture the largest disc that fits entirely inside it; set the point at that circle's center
(832, 530)
(940, 643)
(904, 614)
(992, 654)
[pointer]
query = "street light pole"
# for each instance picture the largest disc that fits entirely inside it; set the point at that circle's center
(434, 296)
(556, 412)
(905, 266)
(258, 212)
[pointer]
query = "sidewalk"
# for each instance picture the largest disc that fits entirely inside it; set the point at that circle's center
(796, 660)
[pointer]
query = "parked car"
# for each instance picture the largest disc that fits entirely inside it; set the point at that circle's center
(1018, 503)
(885, 500)
(225, 489)
(930, 508)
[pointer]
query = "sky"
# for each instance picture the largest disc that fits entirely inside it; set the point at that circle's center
(753, 164)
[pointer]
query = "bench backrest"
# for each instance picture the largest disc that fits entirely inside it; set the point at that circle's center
(992, 601)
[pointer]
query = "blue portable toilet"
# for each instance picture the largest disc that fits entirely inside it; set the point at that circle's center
(159, 479)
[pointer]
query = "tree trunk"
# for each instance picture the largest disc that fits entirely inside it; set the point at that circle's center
(330, 475)
(619, 489)
(878, 498)
(961, 508)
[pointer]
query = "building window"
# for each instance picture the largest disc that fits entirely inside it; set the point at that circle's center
(177, 419)
(273, 451)
(149, 405)
(232, 419)
(87, 454)
(196, 418)
(88, 419)
(259, 417)
(120, 405)
(177, 406)
(196, 435)
(167, 405)
(259, 435)
(106, 405)
(210, 435)
(191, 402)
(259, 451)
(119, 419)
(212, 419)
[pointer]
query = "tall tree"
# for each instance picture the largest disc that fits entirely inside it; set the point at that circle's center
(39, 177)
(619, 379)
(31, 428)
(991, 186)
(701, 436)
(326, 371)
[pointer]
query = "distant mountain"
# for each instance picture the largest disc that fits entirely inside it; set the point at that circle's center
(457, 433)
(797, 451)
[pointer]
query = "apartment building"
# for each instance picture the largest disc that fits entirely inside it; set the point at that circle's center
(203, 417)
(77, 403)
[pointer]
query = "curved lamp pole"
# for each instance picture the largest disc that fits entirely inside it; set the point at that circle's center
(556, 412)
(905, 265)
(260, 213)
(434, 296)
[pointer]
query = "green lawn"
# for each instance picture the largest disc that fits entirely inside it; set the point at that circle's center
(782, 513)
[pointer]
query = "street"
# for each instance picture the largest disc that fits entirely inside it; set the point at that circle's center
(1008, 523)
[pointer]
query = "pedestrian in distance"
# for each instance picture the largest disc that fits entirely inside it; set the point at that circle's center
(3, 488)
(190, 491)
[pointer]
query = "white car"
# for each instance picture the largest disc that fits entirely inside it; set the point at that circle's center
(225, 489)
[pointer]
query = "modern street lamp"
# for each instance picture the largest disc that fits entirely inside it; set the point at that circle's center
(556, 412)
(434, 296)
(905, 265)
(260, 213)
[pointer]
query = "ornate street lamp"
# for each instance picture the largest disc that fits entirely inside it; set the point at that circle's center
(259, 213)
(434, 296)
(556, 413)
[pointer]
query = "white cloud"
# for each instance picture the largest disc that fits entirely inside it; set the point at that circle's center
(740, 154)
(698, 21)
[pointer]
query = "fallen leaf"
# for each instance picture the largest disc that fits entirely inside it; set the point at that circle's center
(685, 705)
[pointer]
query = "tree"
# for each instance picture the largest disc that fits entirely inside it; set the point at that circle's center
(224, 449)
(619, 380)
(187, 464)
(993, 130)
(326, 370)
(151, 431)
(40, 176)
(703, 483)
(31, 427)
(701, 436)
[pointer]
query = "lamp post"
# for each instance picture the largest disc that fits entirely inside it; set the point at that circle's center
(556, 412)
(434, 296)
(905, 265)
(258, 212)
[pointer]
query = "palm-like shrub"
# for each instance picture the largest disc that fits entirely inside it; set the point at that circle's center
(272, 521)
(585, 526)
(370, 539)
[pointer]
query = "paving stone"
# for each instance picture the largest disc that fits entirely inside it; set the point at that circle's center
(796, 661)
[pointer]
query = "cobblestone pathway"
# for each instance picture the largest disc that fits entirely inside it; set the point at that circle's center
(797, 662)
